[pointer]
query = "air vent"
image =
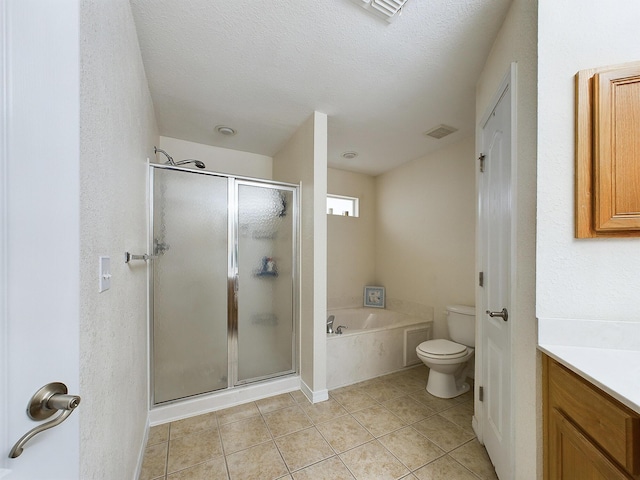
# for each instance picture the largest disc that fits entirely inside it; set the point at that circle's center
(412, 338)
(387, 9)
(440, 131)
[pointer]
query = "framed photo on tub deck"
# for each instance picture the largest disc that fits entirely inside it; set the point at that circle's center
(374, 297)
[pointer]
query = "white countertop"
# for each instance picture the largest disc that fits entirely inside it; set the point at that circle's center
(605, 353)
(617, 372)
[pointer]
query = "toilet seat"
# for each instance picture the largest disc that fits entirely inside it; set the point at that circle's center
(442, 349)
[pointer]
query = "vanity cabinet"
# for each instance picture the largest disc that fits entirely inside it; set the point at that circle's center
(588, 435)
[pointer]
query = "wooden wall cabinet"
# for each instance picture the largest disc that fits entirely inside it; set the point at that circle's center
(608, 151)
(588, 435)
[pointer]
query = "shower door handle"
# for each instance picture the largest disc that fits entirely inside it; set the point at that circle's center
(130, 256)
(236, 283)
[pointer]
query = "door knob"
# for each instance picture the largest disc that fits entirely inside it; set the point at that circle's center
(503, 314)
(44, 403)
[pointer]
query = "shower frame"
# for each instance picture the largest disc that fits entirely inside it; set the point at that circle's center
(233, 183)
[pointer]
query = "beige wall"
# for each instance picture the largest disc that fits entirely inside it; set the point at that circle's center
(304, 159)
(586, 279)
(516, 42)
(350, 240)
(117, 134)
(425, 224)
(217, 159)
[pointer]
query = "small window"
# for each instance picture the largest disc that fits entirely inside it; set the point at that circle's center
(343, 206)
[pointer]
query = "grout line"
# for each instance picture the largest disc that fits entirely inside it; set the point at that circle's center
(224, 456)
(335, 452)
(273, 440)
(463, 466)
(166, 461)
(291, 472)
(348, 469)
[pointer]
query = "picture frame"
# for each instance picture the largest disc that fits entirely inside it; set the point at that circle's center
(374, 297)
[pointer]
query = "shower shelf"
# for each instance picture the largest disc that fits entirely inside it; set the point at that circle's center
(265, 319)
(268, 268)
(262, 235)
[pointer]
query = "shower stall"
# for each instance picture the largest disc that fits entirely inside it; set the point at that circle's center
(223, 281)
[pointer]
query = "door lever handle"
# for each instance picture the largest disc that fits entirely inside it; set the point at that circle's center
(503, 314)
(44, 403)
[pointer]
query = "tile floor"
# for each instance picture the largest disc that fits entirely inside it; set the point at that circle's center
(388, 427)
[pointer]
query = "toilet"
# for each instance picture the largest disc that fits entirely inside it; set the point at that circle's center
(449, 360)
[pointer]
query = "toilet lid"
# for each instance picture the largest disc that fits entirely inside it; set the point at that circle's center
(442, 348)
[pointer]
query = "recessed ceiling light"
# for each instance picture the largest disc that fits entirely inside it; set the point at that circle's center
(440, 131)
(349, 155)
(224, 130)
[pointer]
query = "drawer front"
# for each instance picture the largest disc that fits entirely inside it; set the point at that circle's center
(610, 424)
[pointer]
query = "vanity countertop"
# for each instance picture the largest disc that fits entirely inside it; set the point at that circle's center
(617, 372)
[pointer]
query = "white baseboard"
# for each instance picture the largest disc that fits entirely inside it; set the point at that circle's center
(225, 399)
(314, 396)
(476, 428)
(143, 447)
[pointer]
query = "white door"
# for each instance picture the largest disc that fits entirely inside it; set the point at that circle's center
(39, 229)
(495, 251)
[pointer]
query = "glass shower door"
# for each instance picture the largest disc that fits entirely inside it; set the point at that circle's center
(265, 265)
(190, 273)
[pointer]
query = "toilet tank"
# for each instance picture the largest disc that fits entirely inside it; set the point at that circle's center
(462, 324)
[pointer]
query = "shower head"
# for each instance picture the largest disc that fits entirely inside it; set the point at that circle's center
(197, 163)
(170, 160)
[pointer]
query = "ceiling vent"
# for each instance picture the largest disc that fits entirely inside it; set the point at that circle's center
(387, 9)
(440, 131)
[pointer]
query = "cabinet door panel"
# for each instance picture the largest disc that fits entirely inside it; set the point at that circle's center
(574, 457)
(617, 149)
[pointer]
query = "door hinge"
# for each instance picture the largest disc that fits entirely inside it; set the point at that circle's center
(480, 394)
(481, 158)
(481, 279)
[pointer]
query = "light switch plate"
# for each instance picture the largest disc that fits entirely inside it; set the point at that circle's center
(104, 273)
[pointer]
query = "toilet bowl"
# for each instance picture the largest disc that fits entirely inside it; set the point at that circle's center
(449, 360)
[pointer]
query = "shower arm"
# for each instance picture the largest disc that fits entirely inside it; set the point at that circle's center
(169, 157)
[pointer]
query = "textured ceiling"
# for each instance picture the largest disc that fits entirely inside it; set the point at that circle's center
(263, 67)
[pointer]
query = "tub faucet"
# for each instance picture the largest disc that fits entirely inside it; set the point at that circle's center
(339, 329)
(330, 323)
